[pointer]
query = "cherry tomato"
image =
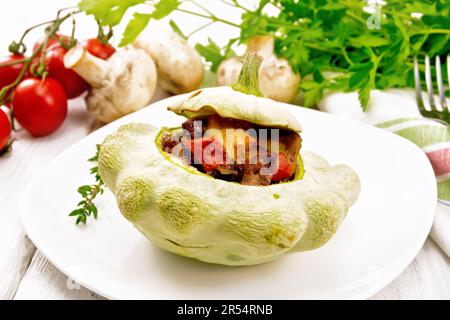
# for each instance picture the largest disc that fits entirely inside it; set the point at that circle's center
(72, 83)
(5, 129)
(99, 49)
(10, 73)
(285, 168)
(40, 106)
(51, 42)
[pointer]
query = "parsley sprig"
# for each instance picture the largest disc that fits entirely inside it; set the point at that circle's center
(335, 45)
(86, 207)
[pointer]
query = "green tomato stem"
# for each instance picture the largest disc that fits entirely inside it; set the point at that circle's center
(22, 38)
(58, 13)
(42, 50)
(101, 36)
(26, 65)
(72, 35)
(53, 29)
(12, 63)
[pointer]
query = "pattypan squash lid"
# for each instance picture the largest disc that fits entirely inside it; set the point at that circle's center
(241, 101)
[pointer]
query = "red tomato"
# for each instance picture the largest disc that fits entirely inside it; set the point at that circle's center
(99, 49)
(5, 129)
(72, 83)
(40, 106)
(10, 73)
(51, 42)
(285, 168)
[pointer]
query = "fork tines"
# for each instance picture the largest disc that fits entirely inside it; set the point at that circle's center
(435, 110)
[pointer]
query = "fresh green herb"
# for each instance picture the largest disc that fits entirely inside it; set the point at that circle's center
(215, 54)
(140, 20)
(361, 50)
(134, 28)
(164, 7)
(177, 29)
(86, 207)
(108, 12)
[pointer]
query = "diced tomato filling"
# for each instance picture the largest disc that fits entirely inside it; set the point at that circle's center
(285, 169)
(236, 155)
(208, 159)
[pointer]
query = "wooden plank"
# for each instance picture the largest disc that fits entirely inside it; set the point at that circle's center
(43, 281)
(30, 154)
(17, 169)
(428, 277)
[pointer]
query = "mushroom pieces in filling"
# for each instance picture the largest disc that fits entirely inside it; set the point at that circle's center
(247, 154)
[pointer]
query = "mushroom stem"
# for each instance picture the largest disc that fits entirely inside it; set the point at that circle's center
(89, 67)
(248, 78)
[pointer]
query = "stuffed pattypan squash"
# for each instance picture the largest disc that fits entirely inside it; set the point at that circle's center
(242, 211)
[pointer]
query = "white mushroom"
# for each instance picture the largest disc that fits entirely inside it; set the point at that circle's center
(229, 70)
(276, 78)
(122, 84)
(180, 67)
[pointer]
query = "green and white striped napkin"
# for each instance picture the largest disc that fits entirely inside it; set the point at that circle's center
(396, 111)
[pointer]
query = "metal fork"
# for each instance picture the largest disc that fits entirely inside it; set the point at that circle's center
(439, 112)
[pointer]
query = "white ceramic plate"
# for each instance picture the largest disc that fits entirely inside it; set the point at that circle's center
(380, 236)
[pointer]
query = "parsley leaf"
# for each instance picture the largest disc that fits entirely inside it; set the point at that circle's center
(136, 25)
(177, 29)
(369, 50)
(140, 20)
(369, 40)
(312, 92)
(215, 54)
(86, 207)
(108, 12)
(164, 7)
(211, 52)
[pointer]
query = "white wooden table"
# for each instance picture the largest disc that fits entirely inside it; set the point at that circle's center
(26, 274)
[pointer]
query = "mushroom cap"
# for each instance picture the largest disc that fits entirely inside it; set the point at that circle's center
(180, 67)
(228, 103)
(127, 84)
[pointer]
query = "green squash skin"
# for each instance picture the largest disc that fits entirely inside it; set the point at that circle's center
(215, 221)
(228, 103)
